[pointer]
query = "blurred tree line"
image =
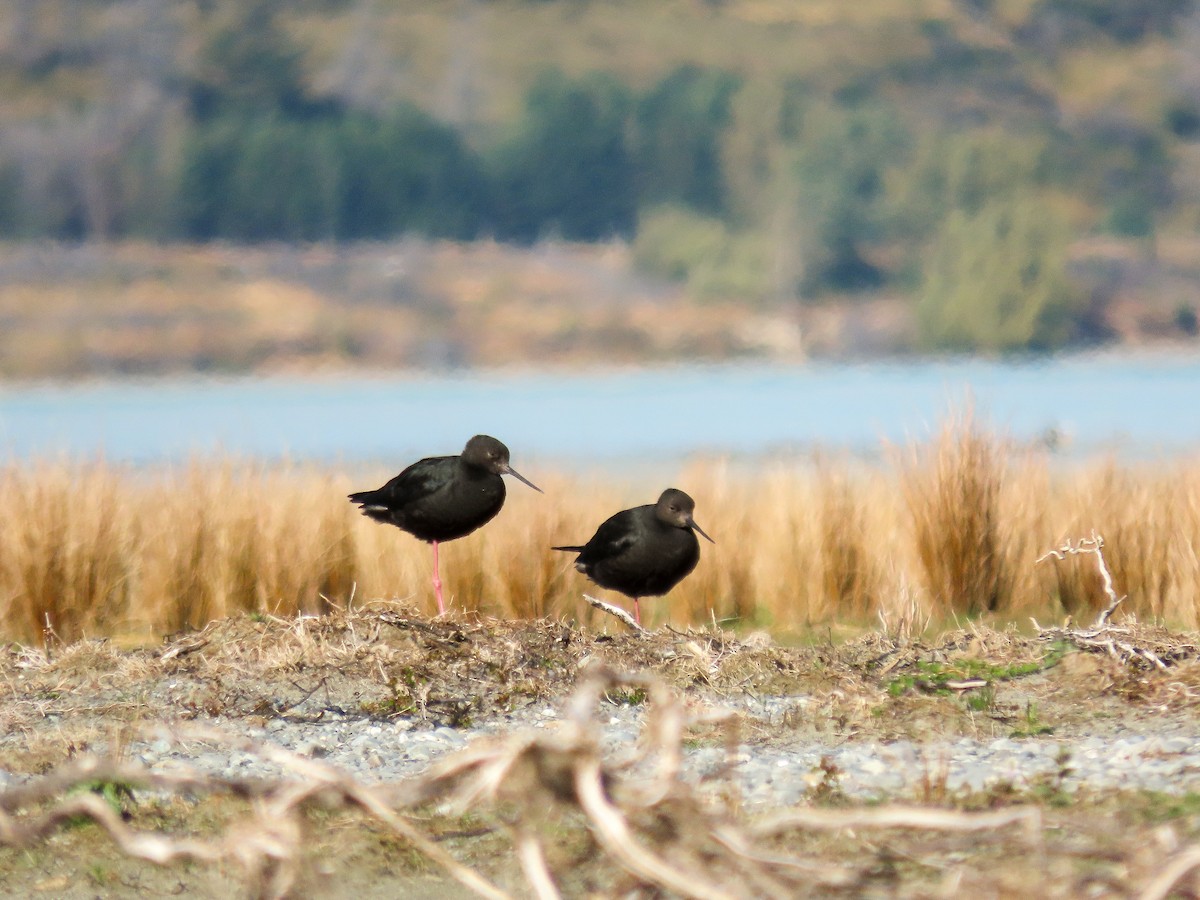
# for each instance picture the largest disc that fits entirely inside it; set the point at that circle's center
(755, 189)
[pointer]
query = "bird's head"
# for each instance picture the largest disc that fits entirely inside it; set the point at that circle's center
(676, 508)
(485, 452)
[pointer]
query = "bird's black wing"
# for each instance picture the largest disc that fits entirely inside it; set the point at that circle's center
(419, 480)
(611, 539)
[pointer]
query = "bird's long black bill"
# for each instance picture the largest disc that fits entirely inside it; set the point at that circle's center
(509, 470)
(692, 522)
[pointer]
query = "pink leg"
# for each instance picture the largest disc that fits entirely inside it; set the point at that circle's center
(437, 580)
(637, 611)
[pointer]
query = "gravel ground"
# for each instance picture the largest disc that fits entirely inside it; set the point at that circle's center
(1164, 757)
(812, 718)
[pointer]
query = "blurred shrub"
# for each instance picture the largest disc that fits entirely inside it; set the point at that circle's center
(567, 169)
(840, 170)
(678, 125)
(1125, 166)
(407, 172)
(996, 280)
(346, 176)
(1186, 319)
(671, 241)
(1182, 118)
(247, 63)
(260, 179)
(699, 250)
(963, 171)
(12, 220)
(1121, 20)
(756, 149)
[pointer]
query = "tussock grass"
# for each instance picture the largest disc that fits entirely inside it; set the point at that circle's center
(951, 490)
(948, 527)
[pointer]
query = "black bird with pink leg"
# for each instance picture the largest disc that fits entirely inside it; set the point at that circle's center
(441, 498)
(644, 551)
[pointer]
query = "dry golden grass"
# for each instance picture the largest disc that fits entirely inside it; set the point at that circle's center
(952, 496)
(951, 527)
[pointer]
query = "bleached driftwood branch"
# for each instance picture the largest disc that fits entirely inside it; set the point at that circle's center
(1172, 873)
(1095, 545)
(1101, 634)
(1030, 817)
(615, 611)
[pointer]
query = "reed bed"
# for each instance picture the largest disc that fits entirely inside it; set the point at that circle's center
(950, 527)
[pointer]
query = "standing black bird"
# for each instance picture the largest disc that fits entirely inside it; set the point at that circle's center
(644, 551)
(444, 497)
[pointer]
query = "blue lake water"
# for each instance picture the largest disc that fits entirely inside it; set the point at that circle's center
(1134, 406)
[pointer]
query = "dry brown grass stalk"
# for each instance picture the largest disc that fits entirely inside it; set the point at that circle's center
(952, 488)
(852, 581)
(951, 527)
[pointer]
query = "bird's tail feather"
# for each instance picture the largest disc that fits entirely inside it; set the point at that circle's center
(368, 502)
(569, 549)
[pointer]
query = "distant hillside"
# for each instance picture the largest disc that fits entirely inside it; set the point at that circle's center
(1011, 174)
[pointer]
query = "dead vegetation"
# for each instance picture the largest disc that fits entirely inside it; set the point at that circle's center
(549, 813)
(1155, 647)
(950, 528)
(952, 495)
(383, 662)
(652, 829)
(387, 662)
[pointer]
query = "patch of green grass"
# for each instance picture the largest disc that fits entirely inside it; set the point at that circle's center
(402, 701)
(1031, 724)
(1051, 788)
(1156, 807)
(983, 699)
(627, 697)
(390, 707)
(117, 794)
(933, 677)
(101, 875)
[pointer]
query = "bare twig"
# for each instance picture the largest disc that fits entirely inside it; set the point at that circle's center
(903, 817)
(1094, 544)
(612, 830)
(1100, 636)
(320, 776)
(1174, 871)
(828, 874)
(1115, 648)
(90, 769)
(615, 611)
(967, 685)
(533, 864)
(155, 848)
(190, 643)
